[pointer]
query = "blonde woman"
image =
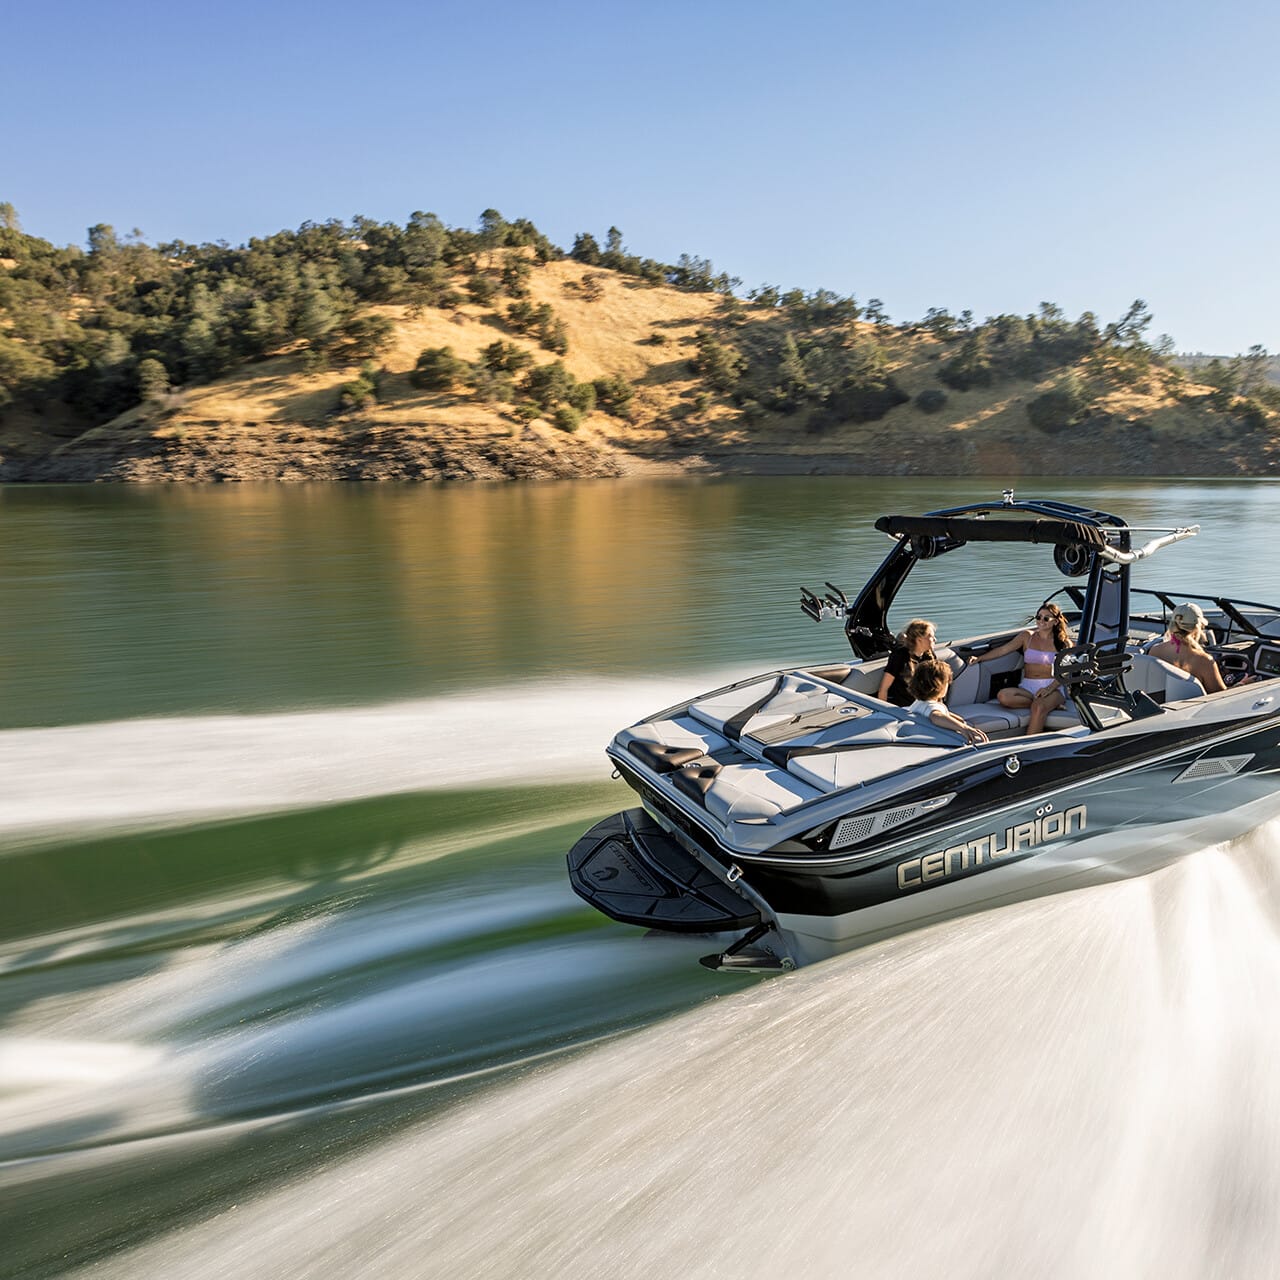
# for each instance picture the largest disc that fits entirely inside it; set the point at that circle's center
(916, 644)
(1185, 649)
(1040, 646)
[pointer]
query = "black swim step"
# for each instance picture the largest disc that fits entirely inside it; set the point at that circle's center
(629, 868)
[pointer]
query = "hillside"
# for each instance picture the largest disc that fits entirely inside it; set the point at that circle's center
(699, 380)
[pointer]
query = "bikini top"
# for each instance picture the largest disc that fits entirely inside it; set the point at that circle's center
(1044, 657)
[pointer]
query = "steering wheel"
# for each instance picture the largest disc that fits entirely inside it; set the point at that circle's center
(1235, 667)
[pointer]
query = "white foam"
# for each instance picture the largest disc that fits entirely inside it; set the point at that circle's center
(133, 772)
(1079, 1086)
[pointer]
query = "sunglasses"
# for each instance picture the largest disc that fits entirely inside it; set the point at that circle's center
(1046, 617)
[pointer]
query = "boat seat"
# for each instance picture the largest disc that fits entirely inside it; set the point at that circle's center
(733, 792)
(991, 715)
(664, 737)
(662, 758)
(751, 707)
(1162, 680)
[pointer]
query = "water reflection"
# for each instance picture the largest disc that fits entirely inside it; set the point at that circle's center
(134, 602)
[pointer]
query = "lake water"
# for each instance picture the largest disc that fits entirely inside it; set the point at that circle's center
(291, 981)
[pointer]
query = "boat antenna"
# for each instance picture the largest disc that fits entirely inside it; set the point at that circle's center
(1007, 497)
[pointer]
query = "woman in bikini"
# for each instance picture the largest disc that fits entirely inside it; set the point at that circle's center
(1040, 646)
(1185, 650)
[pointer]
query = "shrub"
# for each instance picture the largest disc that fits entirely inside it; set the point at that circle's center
(367, 335)
(1054, 411)
(613, 394)
(521, 316)
(549, 384)
(582, 396)
(721, 365)
(970, 368)
(862, 402)
(481, 290)
(515, 277)
(930, 400)
(552, 337)
(1251, 412)
(153, 381)
(506, 357)
(567, 418)
(437, 369)
(357, 394)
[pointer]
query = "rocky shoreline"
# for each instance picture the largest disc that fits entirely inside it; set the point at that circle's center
(355, 451)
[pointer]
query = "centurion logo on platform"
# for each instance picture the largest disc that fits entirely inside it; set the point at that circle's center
(959, 858)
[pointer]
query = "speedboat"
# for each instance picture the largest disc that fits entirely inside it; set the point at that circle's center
(803, 816)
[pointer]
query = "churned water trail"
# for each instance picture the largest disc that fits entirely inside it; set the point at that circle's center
(1075, 1086)
(139, 772)
(292, 981)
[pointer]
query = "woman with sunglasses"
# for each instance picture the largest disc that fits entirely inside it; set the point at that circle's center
(1040, 646)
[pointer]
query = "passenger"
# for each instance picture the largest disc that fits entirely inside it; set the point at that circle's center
(1040, 647)
(916, 643)
(1185, 650)
(930, 683)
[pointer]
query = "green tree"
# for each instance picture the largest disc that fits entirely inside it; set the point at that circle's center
(515, 276)
(718, 363)
(614, 394)
(970, 367)
(505, 357)
(548, 385)
(102, 240)
(582, 396)
(554, 337)
(367, 336)
(317, 317)
(1255, 370)
(793, 380)
(1059, 408)
(437, 369)
(153, 381)
(493, 229)
(358, 394)
(481, 290)
(585, 249)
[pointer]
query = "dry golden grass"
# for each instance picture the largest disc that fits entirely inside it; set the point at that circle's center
(614, 333)
(606, 336)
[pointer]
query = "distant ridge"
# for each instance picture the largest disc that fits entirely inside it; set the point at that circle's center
(373, 351)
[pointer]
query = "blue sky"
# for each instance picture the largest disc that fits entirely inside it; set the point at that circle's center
(981, 156)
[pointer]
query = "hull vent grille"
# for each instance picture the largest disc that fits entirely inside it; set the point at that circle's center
(1216, 767)
(864, 825)
(851, 830)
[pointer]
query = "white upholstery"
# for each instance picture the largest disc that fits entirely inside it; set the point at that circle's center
(1161, 679)
(797, 695)
(839, 769)
(755, 791)
(990, 715)
(679, 732)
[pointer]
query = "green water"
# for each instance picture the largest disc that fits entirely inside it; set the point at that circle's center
(289, 774)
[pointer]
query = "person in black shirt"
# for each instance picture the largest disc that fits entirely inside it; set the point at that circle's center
(917, 643)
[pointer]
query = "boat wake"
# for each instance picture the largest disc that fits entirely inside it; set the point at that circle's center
(1081, 1085)
(132, 773)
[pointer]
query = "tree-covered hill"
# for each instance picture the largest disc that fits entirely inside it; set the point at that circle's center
(372, 349)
